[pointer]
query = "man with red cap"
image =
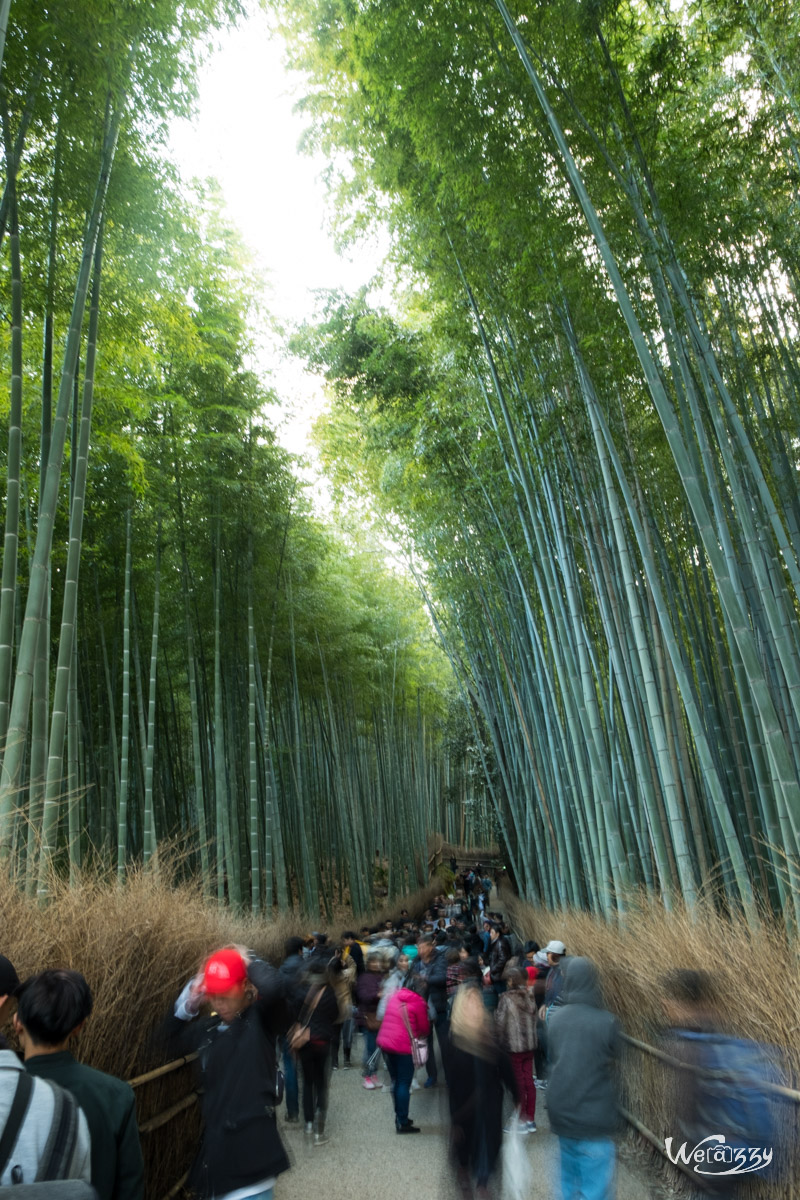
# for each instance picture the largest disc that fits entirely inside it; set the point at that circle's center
(241, 1153)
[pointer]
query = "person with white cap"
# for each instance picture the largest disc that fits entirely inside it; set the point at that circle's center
(556, 952)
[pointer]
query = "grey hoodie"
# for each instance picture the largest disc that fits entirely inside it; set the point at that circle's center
(582, 1046)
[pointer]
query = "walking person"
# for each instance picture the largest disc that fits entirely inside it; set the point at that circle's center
(479, 1071)
(241, 1152)
(582, 1101)
(343, 977)
(319, 1015)
(293, 971)
(52, 1008)
(368, 994)
(515, 1024)
(431, 965)
(406, 1018)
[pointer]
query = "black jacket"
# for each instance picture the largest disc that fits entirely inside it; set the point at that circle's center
(239, 1074)
(499, 954)
(434, 972)
(322, 1025)
(110, 1109)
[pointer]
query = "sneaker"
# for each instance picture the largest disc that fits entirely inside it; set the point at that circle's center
(346, 1065)
(309, 1129)
(429, 1083)
(541, 1085)
(369, 1082)
(321, 1139)
(292, 1120)
(408, 1128)
(530, 1127)
(414, 1085)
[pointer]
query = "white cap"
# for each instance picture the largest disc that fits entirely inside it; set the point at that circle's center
(555, 948)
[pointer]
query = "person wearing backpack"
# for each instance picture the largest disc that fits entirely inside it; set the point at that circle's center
(43, 1134)
(719, 1102)
(52, 1008)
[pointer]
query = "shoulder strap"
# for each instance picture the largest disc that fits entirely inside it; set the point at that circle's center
(19, 1109)
(308, 1009)
(60, 1146)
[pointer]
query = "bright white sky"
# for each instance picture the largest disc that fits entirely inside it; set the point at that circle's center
(246, 136)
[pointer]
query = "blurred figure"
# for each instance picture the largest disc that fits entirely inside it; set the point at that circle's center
(515, 1024)
(726, 1125)
(320, 1012)
(241, 1152)
(368, 994)
(292, 969)
(431, 965)
(392, 983)
(343, 975)
(478, 1072)
(582, 1103)
(406, 1017)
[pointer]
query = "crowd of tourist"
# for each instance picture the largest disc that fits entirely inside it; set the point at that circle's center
(449, 998)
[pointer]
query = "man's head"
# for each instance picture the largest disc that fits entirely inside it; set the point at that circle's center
(293, 947)
(425, 946)
(494, 933)
(555, 951)
(348, 937)
(51, 1007)
(9, 982)
(226, 985)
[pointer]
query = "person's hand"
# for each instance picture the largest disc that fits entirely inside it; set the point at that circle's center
(196, 994)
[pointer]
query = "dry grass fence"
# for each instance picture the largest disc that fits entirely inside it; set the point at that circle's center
(756, 975)
(137, 945)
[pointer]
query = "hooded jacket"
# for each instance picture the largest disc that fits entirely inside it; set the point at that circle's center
(393, 1035)
(582, 1047)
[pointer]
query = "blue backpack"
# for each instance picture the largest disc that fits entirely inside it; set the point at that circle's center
(729, 1096)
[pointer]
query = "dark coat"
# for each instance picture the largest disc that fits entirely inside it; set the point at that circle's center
(239, 1073)
(498, 956)
(368, 994)
(322, 1025)
(110, 1109)
(434, 972)
(582, 1047)
(293, 970)
(475, 1091)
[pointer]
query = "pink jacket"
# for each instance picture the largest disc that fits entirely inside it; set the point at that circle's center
(393, 1035)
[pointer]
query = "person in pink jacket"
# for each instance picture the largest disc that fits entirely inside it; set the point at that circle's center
(406, 1010)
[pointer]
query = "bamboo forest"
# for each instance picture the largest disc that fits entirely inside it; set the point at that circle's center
(552, 598)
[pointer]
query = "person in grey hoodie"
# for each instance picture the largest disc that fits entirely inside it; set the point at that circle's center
(582, 1101)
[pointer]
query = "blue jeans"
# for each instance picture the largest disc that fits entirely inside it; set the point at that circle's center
(370, 1046)
(401, 1072)
(587, 1168)
(290, 1087)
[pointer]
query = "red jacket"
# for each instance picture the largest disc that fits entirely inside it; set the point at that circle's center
(393, 1035)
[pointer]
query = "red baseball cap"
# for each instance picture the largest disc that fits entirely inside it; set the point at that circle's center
(225, 969)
